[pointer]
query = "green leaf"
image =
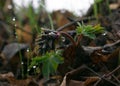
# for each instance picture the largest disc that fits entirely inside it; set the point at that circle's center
(98, 1)
(49, 61)
(46, 69)
(89, 30)
(37, 60)
(92, 36)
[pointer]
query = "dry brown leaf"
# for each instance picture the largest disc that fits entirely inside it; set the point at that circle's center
(27, 82)
(98, 56)
(114, 6)
(90, 80)
(6, 75)
(23, 36)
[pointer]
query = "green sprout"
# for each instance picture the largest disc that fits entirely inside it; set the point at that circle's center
(98, 9)
(89, 30)
(49, 62)
(95, 7)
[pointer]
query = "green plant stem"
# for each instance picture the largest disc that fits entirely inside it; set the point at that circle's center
(50, 19)
(69, 37)
(22, 69)
(95, 9)
(107, 3)
(20, 55)
(28, 62)
(51, 22)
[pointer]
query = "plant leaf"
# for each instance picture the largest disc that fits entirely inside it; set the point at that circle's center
(98, 1)
(49, 61)
(89, 30)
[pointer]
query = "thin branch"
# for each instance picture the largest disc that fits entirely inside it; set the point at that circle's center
(86, 67)
(74, 22)
(69, 37)
(116, 78)
(116, 69)
(102, 77)
(111, 45)
(97, 82)
(16, 27)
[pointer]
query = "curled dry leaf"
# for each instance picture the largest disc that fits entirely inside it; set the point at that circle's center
(26, 82)
(90, 80)
(9, 56)
(11, 49)
(72, 83)
(6, 75)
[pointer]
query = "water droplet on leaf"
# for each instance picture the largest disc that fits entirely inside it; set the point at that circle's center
(22, 63)
(15, 25)
(105, 33)
(63, 39)
(34, 67)
(28, 69)
(28, 50)
(13, 19)
(9, 6)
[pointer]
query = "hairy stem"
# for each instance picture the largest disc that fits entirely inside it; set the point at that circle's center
(69, 37)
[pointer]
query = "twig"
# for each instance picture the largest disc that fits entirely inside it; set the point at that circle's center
(74, 22)
(116, 78)
(86, 67)
(102, 77)
(116, 69)
(110, 45)
(91, 49)
(69, 37)
(16, 27)
(97, 82)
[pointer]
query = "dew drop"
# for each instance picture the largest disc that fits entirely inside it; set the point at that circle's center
(9, 6)
(63, 39)
(16, 37)
(13, 19)
(28, 69)
(28, 50)
(105, 33)
(34, 67)
(22, 63)
(51, 33)
(15, 25)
